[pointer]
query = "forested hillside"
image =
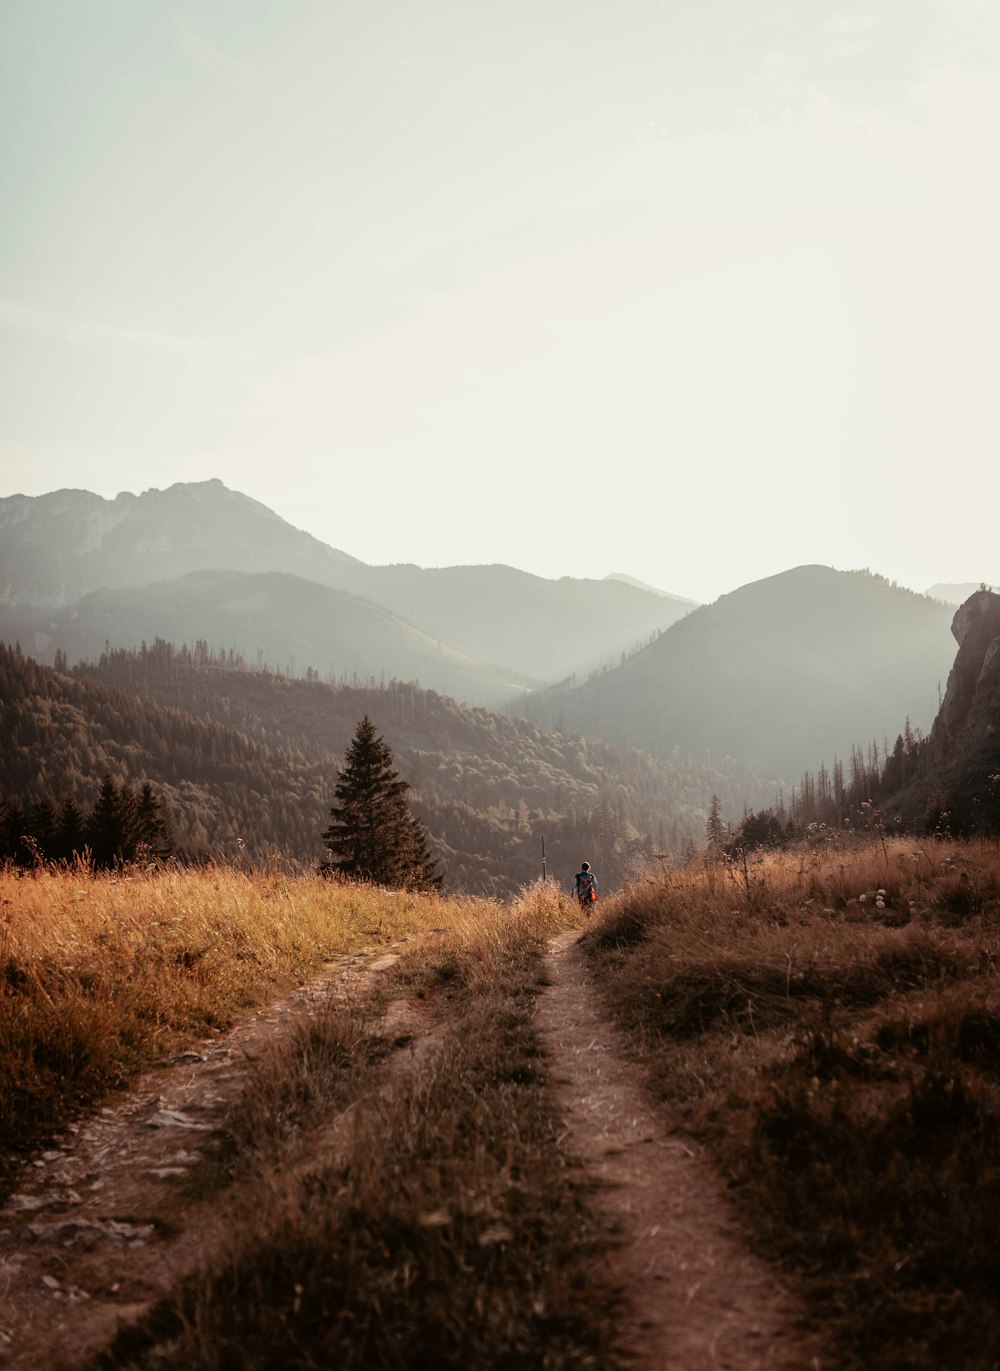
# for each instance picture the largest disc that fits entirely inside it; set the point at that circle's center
(246, 761)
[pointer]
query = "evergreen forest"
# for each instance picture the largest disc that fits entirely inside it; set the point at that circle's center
(245, 763)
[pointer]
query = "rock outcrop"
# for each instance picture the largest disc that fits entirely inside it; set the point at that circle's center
(957, 782)
(970, 712)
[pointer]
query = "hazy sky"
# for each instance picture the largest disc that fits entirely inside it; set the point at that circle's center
(694, 291)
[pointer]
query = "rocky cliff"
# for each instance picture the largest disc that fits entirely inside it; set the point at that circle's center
(959, 765)
(970, 712)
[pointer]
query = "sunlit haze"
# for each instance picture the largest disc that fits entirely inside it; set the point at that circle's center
(691, 292)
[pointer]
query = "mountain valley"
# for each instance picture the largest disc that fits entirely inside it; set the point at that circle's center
(624, 709)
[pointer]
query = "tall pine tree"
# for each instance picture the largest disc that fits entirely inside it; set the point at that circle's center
(715, 832)
(43, 822)
(372, 834)
(153, 835)
(70, 840)
(110, 826)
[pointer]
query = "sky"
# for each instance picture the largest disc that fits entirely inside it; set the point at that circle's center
(693, 292)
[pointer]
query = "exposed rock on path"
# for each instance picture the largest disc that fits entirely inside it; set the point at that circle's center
(700, 1300)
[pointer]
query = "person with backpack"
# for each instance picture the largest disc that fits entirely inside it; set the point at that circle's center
(586, 887)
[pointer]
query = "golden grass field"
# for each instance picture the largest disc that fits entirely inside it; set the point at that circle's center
(103, 973)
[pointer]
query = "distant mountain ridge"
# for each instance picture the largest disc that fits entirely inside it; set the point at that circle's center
(274, 619)
(780, 672)
(777, 673)
(538, 628)
(954, 593)
(644, 585)
(57, 549)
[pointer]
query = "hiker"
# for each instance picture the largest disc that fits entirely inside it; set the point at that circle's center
(586, 887)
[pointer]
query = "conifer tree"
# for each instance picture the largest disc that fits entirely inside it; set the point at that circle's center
(372, 834)
(714, 831)
(42, 825)
(70, 839)
(152, 828)
(14, 845)
(110, 825)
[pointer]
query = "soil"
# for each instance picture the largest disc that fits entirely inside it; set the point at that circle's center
(700, 1300)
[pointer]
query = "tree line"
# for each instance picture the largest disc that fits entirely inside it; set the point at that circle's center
(372, 835)
(246, 761)
(910, 785)
(122, 825)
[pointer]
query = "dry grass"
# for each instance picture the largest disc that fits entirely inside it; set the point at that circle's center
(102, 974)
(828, 1022)
(324, 1065)
(448, 1234)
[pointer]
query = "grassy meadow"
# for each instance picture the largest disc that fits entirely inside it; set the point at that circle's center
(827, 1022)
(381, 1208)
(102, 974)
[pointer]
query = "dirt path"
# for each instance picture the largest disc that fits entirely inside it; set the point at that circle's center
(700, 1300)
(101, 1227)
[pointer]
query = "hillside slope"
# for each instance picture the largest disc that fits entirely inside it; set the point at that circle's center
(284, 621)
(777, 674)
(247, 762)
(538, 628)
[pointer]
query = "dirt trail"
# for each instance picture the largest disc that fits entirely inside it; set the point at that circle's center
(100, 1227)
(700, 1301)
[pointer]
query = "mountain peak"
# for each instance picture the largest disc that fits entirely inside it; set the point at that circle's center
(780, 672)
(59, 546)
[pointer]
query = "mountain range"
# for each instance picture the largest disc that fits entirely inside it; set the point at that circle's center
(779, 674)
(282, 620)
(201, 562)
